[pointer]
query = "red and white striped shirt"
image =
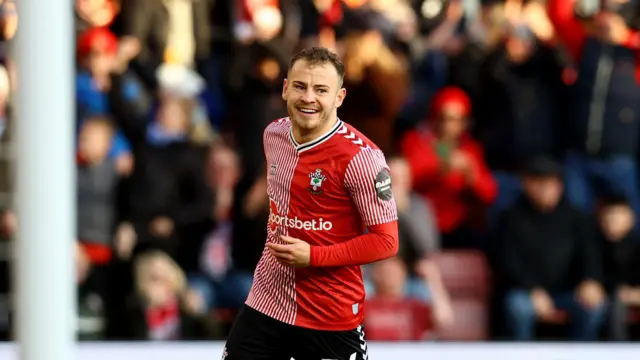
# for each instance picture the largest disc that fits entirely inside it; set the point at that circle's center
(325, 192)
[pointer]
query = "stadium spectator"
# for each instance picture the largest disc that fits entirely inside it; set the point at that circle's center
(603, 126)
(448, 166)
(174, 31)
(384, 320)
(621, 254)
(94, 13)
(391, 316)
(162, 307)
(102, 58)
(549, 255)
(221, 285)
(519, 106)
(96, 190)
(181, 82)
(377, 81)
(418, 238)
(418, 231)
(169, 200)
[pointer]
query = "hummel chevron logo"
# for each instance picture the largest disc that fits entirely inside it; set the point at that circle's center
(350, 136)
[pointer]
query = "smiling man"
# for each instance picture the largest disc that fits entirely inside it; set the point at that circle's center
(327, 183)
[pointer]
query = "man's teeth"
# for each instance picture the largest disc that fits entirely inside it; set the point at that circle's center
(308, 111)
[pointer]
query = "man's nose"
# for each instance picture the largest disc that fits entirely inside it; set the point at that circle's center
(308, 96)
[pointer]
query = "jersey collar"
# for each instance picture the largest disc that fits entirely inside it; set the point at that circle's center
(313, 143)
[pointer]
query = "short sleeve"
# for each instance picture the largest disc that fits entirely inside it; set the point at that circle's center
(368, 180)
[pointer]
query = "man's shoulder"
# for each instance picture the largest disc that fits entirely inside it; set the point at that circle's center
(281, 125)
(352, 142)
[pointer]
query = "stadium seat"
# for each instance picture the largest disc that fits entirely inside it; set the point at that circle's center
(465, 274)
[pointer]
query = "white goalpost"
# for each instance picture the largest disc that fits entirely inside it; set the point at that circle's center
(44, 295)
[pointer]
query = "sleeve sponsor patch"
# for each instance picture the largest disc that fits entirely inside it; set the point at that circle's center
(383, 185)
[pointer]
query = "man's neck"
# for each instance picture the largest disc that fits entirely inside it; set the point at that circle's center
(302, 137)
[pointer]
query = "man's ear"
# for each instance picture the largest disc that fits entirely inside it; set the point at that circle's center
(285, 86)
(342, 93)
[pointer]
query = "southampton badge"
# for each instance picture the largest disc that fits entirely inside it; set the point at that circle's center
(315, 181)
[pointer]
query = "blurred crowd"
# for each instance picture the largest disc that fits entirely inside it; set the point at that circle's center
(509, 127)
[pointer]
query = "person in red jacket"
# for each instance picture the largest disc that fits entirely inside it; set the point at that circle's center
(448, 166)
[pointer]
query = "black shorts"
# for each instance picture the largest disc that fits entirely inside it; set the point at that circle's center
(255, 336)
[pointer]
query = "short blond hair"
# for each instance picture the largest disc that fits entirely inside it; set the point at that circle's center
(175, 274)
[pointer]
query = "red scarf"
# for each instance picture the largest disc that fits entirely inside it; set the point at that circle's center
(164, 321)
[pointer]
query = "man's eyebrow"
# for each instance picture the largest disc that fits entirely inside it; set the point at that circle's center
(296, 82)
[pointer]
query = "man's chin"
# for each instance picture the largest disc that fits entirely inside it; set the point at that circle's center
(306, 123)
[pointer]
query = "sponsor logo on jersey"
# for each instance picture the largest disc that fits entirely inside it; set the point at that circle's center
(382, 184)
(276, 220)
(316, 178)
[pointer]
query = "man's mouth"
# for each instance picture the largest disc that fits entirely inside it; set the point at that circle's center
(307, 111)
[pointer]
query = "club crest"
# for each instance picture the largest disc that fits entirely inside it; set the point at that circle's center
(316, 178)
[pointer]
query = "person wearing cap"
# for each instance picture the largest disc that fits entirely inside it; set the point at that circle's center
(448, 167)
(101, 77)
(549, 254)
(621, 259)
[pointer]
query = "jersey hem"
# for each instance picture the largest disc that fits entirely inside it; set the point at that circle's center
(317, 325)
(324, 326)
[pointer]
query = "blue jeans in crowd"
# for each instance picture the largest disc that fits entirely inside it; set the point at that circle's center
(587, 177)
(230, 292)
(521, 317)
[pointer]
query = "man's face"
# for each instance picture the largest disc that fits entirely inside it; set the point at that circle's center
(95, 141)
(616, 221)
(452, 121)
(519, 50)
(544, 191)
(173, 115)
(313, 93)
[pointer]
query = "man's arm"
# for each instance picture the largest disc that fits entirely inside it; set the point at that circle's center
(368, 181)
(587, 244)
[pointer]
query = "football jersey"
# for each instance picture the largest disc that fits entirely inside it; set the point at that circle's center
(324, 192)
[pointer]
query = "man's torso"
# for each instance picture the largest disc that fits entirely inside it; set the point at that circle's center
(309, 201)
